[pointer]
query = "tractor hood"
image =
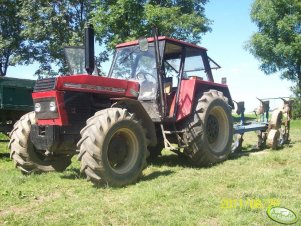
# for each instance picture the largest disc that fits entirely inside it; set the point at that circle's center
(90, 84)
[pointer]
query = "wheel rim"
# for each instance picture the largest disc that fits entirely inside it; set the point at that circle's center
(122, 151)
(217, 129)
(212, 128)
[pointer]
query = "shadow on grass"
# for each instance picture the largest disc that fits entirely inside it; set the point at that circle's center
(177, 161)
(170, 160)
(239, 154)
(156, 174)
(249, 150)
(151, 176)
(246, 151)
(5, 156)
(72, 173)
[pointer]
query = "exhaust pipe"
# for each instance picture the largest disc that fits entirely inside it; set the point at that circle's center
(89, 49)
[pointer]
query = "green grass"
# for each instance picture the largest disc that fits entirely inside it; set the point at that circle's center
(169, 193)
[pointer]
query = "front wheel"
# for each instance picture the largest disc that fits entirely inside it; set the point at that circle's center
(26, 157)
(113, 148)
(209, 130)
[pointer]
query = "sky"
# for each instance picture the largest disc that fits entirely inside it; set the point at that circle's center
(231, 29)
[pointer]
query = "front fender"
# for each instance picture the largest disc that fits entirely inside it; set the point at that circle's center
(134, 106)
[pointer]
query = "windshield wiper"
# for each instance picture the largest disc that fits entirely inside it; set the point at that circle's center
(127, 56)
(169, 65)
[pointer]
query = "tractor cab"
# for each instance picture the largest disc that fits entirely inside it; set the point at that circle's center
(177, 61)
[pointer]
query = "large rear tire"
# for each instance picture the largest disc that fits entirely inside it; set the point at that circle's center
(113, 148)
(24, 154)
(209, 129)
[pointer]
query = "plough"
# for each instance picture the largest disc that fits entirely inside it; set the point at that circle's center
(272, 133)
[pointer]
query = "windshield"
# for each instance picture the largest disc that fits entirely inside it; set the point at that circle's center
(133, 64)
(75, 56)
(130, 61)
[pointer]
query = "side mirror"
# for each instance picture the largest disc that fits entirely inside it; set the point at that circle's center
(143, 44)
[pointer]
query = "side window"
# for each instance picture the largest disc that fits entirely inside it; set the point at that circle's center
(172, 61)
(194, 64)
(146, 73)
(147, 67)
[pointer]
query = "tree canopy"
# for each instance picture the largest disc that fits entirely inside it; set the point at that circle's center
(49, 26)
(12, 46)
(277, 43)
(123, 20)
(37, 30)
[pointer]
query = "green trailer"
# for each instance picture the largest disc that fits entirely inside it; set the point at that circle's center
(15, 101)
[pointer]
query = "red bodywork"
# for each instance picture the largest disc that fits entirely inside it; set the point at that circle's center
(116, 88)
(187, 94)
(62, 118)
(85, 83)
(161, 38)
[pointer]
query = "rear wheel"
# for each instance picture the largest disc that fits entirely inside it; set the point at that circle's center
(113, 148)
(209, 130)
(26, 157)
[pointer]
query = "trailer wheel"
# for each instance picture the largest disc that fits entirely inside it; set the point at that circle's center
(24, 154)
(273, 139)
(209, 130)
(113, 148)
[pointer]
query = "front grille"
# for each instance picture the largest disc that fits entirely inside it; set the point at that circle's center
(44, 84)
(77, 106)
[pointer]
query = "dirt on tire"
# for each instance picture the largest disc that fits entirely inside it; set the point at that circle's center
(113, 148)
(25, 156)
(209, 129)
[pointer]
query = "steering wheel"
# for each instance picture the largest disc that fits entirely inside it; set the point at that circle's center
(143, 75)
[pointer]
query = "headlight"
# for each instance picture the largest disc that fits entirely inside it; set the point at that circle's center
(52, 106)
(37, 107)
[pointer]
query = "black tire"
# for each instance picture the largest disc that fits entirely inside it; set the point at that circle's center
(24, 154)
(113, 148)
(209, 129)
(155, 151)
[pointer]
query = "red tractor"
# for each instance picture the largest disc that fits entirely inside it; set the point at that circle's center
(159, 93)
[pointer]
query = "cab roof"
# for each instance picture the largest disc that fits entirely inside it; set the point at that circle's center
(161, 38)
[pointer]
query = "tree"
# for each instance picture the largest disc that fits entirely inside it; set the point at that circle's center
(277, 44)
(49, 25)
(123, 20)
(12, 44)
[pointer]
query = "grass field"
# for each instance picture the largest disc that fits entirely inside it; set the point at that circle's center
(171, 192)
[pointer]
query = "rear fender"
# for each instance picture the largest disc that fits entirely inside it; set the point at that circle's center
(134, 106)
(188, 91)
